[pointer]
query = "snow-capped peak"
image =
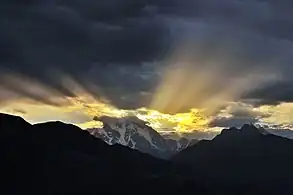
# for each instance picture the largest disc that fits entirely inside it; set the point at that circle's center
(136, 134)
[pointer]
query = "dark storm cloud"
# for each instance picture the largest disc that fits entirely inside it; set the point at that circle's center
(62, 37)
(109, 42)
(273, 94)
(78, 37)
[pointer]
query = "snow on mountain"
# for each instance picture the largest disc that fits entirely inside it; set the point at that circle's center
(136, 134)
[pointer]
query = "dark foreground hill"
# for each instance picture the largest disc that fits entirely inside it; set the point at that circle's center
(58, 158)
(249, 160)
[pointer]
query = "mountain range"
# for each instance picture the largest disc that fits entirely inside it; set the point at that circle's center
(59, 158)
(136, 134)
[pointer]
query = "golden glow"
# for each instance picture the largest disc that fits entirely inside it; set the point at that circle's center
(281, 114)
(181, 122)
(207, 85)
(82, 108)
(191, 93)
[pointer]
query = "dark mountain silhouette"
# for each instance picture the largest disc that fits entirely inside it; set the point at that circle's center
(58, 158)
(248, 158)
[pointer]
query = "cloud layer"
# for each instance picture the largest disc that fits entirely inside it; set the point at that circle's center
(122, 50)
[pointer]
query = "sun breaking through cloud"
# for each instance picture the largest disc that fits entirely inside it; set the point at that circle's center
(165, 114)
(179, 65)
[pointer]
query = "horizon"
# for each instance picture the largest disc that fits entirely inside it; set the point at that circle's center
(174, 136)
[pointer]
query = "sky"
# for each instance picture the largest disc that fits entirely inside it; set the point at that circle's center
(190, 67)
